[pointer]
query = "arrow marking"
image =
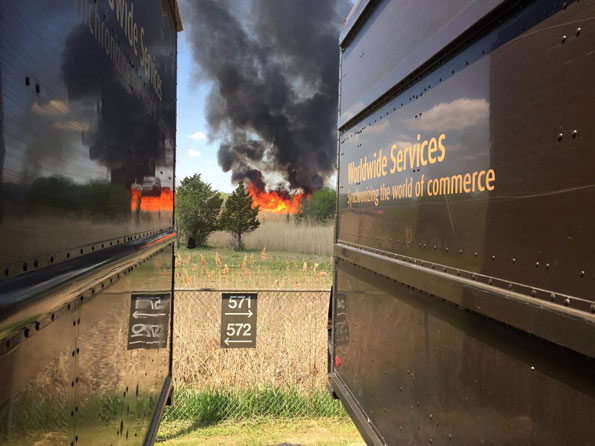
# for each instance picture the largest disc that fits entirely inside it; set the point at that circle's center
(138, 314)
(146, 342)
(249, 314)
(235, 341)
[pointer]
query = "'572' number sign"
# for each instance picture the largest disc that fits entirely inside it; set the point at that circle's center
(238, 320)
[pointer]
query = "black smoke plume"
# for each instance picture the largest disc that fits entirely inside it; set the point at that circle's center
(274, 67)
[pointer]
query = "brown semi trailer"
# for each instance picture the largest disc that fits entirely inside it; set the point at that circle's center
(87, 174)
(464, 294)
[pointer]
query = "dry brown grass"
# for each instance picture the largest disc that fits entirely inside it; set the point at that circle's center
(291, 330)
(280, 234)
(290, 346)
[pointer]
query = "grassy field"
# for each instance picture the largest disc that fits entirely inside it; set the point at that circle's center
(225, 268)
(279, 233)
(274, 393)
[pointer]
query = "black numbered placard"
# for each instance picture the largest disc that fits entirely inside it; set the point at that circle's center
(238, 320)
(149, 320)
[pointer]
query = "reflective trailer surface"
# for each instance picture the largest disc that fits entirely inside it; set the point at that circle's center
(37, 396)
(87, 151)
(77, 380)
(486, 164)
(426, 371)
(88, 126)
(366, 73)
(463, 309)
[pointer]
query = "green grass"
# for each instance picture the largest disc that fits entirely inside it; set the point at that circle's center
(211, 406)
(227, 268)
(239, 415)
(275, 261)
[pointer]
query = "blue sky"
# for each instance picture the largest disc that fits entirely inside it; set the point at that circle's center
(195, 154)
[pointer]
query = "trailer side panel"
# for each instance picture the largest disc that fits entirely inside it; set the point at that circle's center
(463, 301)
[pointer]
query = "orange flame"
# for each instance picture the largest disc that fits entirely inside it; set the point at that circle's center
(275, 202)
(152, 203)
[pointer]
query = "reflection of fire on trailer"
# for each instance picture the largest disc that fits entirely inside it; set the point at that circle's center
(87, 107)
(150, 196)
(463, 307)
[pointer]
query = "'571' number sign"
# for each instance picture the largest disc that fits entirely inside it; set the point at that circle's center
(238, 320)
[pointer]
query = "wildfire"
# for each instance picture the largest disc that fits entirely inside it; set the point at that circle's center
(152, 203)
(277, 202)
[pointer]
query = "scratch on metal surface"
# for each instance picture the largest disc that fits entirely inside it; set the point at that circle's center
(559, 25)
(545, 194)
(452, 225)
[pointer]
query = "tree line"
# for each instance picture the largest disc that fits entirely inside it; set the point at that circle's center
(201, 210)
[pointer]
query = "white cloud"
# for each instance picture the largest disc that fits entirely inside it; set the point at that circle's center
(198, 135)
(194, 153)
(456, 115)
